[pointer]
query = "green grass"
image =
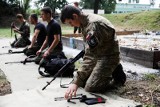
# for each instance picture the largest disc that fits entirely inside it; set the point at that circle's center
(140, 21)
(150, 77)
(5, 32)
(66, 29)
(149, 20)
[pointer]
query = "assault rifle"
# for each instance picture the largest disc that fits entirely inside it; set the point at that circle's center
(26, 60)
(65, 67)
(12, 52)
(13, 26)
(84, 99)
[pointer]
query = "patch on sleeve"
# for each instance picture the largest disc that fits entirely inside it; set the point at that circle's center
(91, 40)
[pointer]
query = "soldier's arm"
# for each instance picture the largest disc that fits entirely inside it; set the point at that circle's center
(54, 43)
(93, 40)
(34, 37)
(96, 35)
(45, 43)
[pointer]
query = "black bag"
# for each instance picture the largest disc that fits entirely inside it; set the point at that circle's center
(52, 66)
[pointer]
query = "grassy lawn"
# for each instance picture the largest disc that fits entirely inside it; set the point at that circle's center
(6, 32)
(149, 20)
(67, 29)
(140, 20)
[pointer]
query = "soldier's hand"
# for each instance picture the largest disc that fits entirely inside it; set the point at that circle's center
(15, 30)
(71, 91)
(38, 52)
(46, 54)
(29, 46)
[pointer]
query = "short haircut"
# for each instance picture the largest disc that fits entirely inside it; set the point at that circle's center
(68, 11)
(47, 10)
(76, 3)
(34, 16)
(19, 16)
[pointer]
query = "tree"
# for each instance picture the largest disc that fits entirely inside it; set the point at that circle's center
(107, 5)
(24, 5)
(53, 4)
(96, 5)
(87, 4)
(12, 7)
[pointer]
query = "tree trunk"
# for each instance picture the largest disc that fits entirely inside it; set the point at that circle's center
(96, 4)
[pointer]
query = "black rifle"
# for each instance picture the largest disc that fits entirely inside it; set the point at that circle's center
(13, 26)
(26, 60)
(85, 99)
(65, 67)
(12, 52)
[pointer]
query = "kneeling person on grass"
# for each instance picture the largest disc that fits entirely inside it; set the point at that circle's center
(38, 36)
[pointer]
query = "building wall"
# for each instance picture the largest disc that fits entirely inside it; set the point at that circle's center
(92, 11)
(127, 6)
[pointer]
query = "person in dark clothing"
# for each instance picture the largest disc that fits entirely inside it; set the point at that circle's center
(53, 38)
(24, 31)
(38, 36)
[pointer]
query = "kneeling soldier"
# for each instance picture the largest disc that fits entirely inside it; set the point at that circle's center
(101, 56)
(24, 31)
(38, 36)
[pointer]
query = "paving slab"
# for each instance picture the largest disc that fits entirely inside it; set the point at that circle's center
(27, 84)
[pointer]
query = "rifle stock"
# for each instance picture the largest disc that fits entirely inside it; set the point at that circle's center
(64, 68)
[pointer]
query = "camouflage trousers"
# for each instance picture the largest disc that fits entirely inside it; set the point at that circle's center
(98, 72)
(21, 42)
(32, 51)
(101, 76)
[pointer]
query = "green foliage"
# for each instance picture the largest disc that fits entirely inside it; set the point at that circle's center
(37, 11)
(136, 21)
(12, 7)
(8, 7)
(107, 5)
(150, 77)
(24, 4)
(149, 106)
(87, 4)
(53, 4)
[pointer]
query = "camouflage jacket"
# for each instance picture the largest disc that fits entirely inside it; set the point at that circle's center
(101, 42)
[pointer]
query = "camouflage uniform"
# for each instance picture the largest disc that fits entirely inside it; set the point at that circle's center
(101, 59)
(24, 39)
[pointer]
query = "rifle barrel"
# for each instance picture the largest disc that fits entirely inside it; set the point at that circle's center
(14, 62)
(11, 52)
(64, 68)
